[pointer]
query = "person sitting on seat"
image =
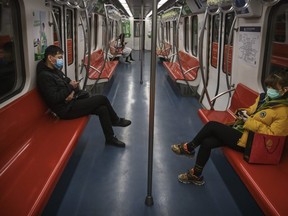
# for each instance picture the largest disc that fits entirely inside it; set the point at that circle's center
(126, 51)
(59, 93)
(268, 115)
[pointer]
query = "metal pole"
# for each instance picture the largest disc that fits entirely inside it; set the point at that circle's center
(142, 43)
(149, 198)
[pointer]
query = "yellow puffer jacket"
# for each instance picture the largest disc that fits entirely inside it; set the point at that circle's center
(271, 121)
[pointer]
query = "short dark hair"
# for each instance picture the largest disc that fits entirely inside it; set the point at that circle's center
(52, 50)
(279, 77)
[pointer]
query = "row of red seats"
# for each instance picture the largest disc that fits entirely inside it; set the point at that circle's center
(190, 66)
(266, 183)
(97, 61)
(164, 51)
(34, 149)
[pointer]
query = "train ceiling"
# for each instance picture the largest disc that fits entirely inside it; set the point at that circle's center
(135, 6)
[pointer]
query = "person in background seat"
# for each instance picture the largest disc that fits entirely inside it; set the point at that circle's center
(59, 93)
(126, 51)
(269, 115)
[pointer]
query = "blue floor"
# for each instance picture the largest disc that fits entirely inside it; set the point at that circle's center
(110, 181)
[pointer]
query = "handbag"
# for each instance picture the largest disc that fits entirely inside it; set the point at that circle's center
(264, 149)
(81, 94)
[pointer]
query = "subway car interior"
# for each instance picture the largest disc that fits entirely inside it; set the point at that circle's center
(191, 62)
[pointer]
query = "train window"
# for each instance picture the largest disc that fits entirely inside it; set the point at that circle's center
(12, 74)
(228, 49)
(69, 42)
(194, 41)
(278, 39)
(168, 32)
(186, 33)
(174, 33)
(57, 14)
(215, 40)
(95, 31)
(104, 29)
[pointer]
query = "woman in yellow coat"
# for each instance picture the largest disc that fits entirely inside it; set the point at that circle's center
(269, 115)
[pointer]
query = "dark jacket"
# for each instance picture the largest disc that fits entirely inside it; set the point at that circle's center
(54, 88)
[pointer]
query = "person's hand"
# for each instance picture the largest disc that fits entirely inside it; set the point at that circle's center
(242, 114)
(70, 96)
(74, 83)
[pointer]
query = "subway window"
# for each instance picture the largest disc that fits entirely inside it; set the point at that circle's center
(95, 31)
(12, 74)
(277, 41)
(186, 33)
(175, 34)
(57, 14)
(168, 32)
(194, 40)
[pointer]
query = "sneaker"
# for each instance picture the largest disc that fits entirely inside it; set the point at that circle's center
(181, 149)
(127, 62)
(122, 122)
(132, 60)
(189, 177)
(115, 142)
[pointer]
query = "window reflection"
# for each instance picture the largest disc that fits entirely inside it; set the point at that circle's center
(11, 64)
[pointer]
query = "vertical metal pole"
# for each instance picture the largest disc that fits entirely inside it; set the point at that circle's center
(142, 42)
(149, 198)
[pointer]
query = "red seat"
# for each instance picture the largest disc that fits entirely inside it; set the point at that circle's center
(164, 51)
(96, 64)
(34, 149)
(266, 183)
(190, 66)
(241, 98)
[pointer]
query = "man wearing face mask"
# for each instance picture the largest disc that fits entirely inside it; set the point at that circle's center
(58, 91)
(268, 115)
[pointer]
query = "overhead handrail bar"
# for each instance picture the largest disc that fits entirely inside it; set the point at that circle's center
(212, 7)
(226, 4)
(61, 2)
(112, 12)
(270, 3)
(246, 5)
(172, 14)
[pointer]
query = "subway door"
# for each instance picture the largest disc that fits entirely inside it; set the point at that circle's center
(218, 50)
(69, 43)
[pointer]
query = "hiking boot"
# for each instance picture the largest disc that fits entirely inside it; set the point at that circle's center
(181, 149)
(122, 122)
(189, 177)
(115, 142)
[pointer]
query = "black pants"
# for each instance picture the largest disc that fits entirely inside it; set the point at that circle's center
(214, 135)
(98, 105)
